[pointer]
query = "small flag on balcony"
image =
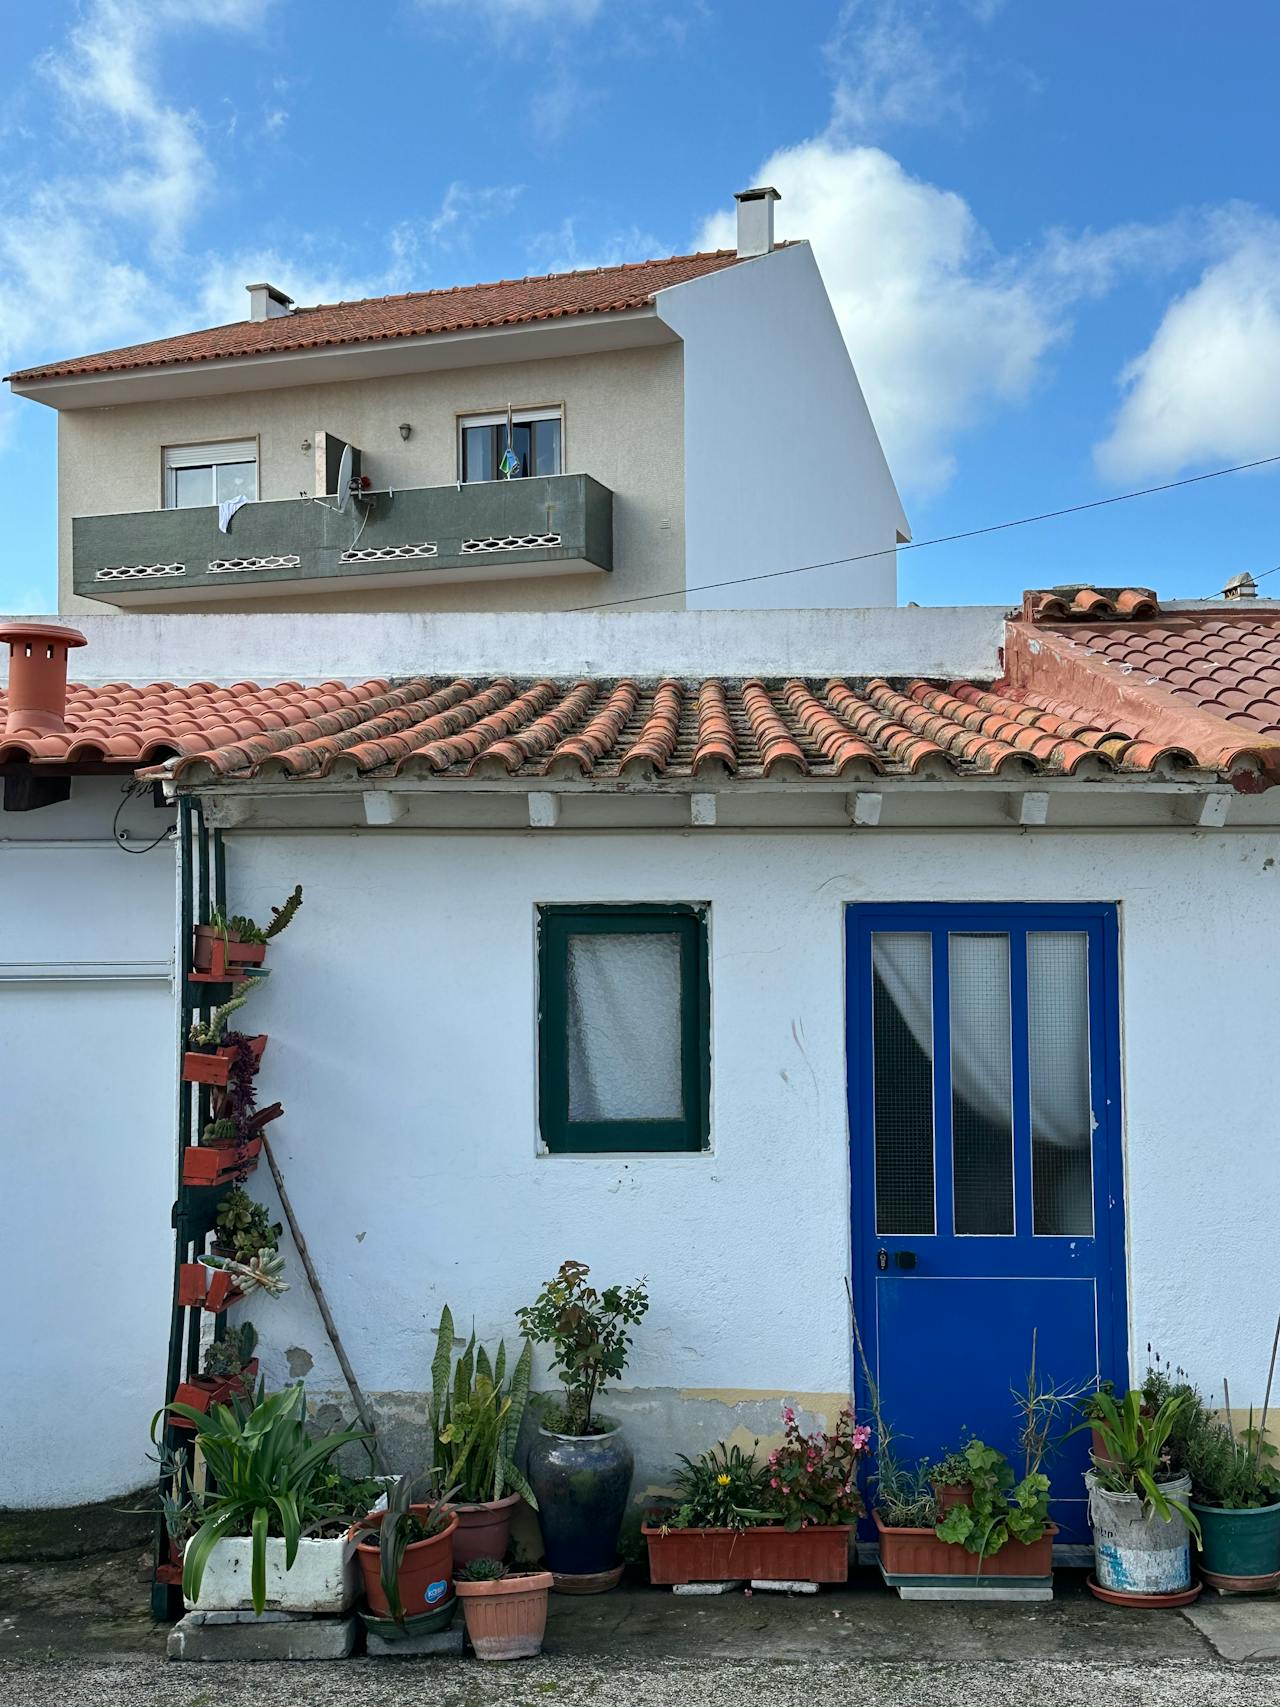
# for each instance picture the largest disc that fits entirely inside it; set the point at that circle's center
(509, 466)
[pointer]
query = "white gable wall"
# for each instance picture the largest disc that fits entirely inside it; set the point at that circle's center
(783, 465)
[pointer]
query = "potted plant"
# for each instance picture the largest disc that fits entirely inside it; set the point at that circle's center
(786, 1520)
(1142, 1523)
(474, 1417)
(225, 945)
(405, 1553)
(228, 1372)
(505, 1610)
(273, 1532)
(992, 1533)
(243, 1228)
(1235, 1493)
(579, 1465)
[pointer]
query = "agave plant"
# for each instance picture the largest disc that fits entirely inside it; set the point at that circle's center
(475, 1415)
(268, 1473)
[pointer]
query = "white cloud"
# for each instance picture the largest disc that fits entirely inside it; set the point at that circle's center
(940, 327)
(1207, 387)
(891, 69)
(508, 17)
(560, 249)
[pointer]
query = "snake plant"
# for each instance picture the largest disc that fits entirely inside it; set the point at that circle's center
(475, 1415)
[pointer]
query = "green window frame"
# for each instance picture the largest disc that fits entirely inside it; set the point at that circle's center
(556, 925)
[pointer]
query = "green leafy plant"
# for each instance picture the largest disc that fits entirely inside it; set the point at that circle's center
(1000, 1509)
(475, 1415)
(952, 1471)
(244, 1228)
(1135, 1456)
(266, 1470)
(724, 1488)
(398, 1527)
(481, 1571)
(587, 1333)
(904, 1492)
(227, 1359)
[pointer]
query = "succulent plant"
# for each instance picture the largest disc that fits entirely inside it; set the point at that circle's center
(481, 1571)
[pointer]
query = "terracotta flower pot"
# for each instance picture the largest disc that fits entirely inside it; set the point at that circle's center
(205, 1390)
(948, 1495)
(204, 1288)
(217, 953)
(484, 1530)
(426, 1571)
(213, 1066)
(506, 1620)
(818, 1554)
(211, 1164)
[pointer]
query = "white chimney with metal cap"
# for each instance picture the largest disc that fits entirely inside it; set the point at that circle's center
(266, 302)
(755, 220)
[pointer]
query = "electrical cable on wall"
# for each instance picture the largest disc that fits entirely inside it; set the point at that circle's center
(134, 791)
(939, 539)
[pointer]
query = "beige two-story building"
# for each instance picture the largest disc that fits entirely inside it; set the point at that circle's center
(632, 437)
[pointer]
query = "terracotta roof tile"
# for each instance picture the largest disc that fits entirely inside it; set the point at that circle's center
(418, 314)
(1066, 709)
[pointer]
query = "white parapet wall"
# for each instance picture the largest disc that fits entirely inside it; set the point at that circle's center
(942, 642)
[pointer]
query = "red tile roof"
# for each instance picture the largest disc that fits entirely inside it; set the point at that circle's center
(1167, 693)
(509, 302)
(601, 729)
(1206, 679)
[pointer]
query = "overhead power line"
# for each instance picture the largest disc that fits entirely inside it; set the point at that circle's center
(939, 539)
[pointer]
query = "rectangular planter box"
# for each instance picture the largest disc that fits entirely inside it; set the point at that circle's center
(915, 1558)
(210, 1164)
(324, 1578)
(204, 1390)
(203, 1288)
(217, 956)
(819, 1554)
(214, 1068)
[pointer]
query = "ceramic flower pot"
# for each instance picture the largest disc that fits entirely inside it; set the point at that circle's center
(1240, 1550)
(484, 1530)
(582, 1483)
(506, 1620)
(426, 1571)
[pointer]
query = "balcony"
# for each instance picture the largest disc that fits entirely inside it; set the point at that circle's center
(426, 536)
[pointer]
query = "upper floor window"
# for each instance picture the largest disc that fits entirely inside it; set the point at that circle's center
(534, 442)
(210, 474)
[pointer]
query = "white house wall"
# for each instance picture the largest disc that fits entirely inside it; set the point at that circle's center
(87, 1050)
(402, 1022)
(783, 465)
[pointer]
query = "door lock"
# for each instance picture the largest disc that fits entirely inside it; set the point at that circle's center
(905, 1259)
(882, 1259)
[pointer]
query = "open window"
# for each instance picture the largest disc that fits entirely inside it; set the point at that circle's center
(624, 1028)
(535, 441)
(210, 474)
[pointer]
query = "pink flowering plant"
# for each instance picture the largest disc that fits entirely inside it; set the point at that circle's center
(813, 1477)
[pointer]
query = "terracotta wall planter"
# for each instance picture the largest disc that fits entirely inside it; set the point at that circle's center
(221, 958)
(506, 1620)
(205, 1390)
(211, 1164)
(919, 1553)
(213, 1067)
(819, 1554)
(426, 1572)
(204, 1288)
(948, 1495)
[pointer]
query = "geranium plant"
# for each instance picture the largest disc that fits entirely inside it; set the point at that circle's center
(999, 1510)
(813, 1477)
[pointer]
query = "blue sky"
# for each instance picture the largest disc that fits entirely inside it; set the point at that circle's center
(1051, 232)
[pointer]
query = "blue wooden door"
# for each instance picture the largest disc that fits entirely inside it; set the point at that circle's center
(987, 1176)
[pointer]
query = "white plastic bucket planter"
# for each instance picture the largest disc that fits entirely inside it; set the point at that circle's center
(324, 1578)
(1135, 1550)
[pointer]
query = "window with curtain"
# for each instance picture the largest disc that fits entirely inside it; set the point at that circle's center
(535, 440)
(210, 474)
(624, 1046)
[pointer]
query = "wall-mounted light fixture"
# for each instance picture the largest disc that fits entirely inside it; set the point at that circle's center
(405, 429)
(306, 446)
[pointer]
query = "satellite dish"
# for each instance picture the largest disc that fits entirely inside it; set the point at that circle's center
(344, 477)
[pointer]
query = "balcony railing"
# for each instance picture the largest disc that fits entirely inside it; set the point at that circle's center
(424, 536)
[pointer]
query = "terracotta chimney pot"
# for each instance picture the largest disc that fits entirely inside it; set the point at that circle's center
(38, 675)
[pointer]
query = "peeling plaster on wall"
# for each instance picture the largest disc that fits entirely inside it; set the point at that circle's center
(300, 1362)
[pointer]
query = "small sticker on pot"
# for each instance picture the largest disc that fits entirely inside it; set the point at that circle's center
(436, 1592)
